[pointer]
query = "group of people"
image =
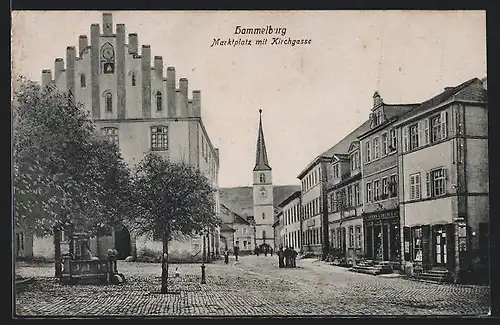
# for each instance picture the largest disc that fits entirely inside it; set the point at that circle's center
(236, 251)
(264, 250)
(287, 257)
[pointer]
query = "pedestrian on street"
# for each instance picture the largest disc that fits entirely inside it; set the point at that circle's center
(281, 255)
(236, 252)
(256, 251)
(271, 251)
(287, 257)
(294, 257)
(226, 256)
(266, 251)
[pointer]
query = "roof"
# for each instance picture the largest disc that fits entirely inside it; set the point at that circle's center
(225, 227)
(287, 200)
(240, 199)
(261, 161)
(471, 90)
(391, 112)
(230, 217)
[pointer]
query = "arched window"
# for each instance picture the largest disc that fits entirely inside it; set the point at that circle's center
(262, 178)
(158, 101)
(109, 102)
(82, 81)
(133, 79)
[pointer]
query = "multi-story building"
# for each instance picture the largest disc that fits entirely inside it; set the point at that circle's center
(140, 108)
(443, 181)
(313, 211)
(379, 167)
(345, 202)
(278, 231)
(236, 231)
(291, 222)
(263, 198)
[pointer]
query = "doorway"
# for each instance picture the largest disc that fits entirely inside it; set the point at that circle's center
(440, 246)
(122, 243)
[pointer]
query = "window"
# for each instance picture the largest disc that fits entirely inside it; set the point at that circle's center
(417, 244)
(394, 141)
(368, 152)
(159, 101)
(357, 199)
(109, 102)
(83, 82)
(435, 182)
(435, 128)
(354, 160)
(333, 240)
(368, 192)
(351, 236)
(376, 148)
(262, 177)
(159, 138)
(336, 171)
(349, 196)
(414, 136)
(358, 236)
(384, 144)
(393, 188)
(415, 186)
(264, 234)
(385, 188)
(376, 190)
(133, 79)
(111, 134)
(264, 216)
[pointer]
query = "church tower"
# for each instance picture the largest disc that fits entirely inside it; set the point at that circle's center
(263, 207)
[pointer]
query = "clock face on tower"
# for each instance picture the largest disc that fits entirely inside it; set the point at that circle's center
(107, 53)
(263, 192)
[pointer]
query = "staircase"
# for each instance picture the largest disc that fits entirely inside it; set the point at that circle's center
(435, 275)
(373, 267)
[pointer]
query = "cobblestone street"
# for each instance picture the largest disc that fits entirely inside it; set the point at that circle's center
(252, 286)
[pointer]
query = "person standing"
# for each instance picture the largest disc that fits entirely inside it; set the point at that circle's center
(287, 257)
(281, 255)
(236, 252)
(294, 257)
(271, 251)
(226, 256)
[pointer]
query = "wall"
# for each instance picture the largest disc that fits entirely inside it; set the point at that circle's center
(478, 212)
(430, 212)
(477, 166)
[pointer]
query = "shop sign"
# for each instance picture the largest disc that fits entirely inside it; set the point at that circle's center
(382, 215)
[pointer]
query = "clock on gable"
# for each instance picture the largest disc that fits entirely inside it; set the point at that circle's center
(108, 58)
(263, 192)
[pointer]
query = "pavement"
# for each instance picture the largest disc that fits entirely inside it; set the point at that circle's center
(252, 286)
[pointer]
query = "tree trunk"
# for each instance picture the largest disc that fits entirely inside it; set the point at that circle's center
(57, 252)
(164, 263)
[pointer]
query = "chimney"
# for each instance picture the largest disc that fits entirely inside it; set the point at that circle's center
(171, 100)
(158, 64)
(196, 103)
(83, 43)
(377, 100)
(58, 67)
(46, 77)
(133, 43)
(178, 103)
(183, 87)
(107, 24)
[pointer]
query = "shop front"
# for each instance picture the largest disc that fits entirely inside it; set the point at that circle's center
(382, 236)
(430, 247)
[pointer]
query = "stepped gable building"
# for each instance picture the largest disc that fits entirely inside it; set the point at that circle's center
(379, 167)
(139, 105)
(444, 183)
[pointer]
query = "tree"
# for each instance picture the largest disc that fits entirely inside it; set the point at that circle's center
(173, 199)
(66, 176)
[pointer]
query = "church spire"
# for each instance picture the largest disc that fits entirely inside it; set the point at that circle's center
(261, 162)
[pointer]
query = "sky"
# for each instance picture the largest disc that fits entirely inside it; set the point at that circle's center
(312, 95)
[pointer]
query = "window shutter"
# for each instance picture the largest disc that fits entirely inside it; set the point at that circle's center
(450, 246)
(426, 131)
(428, 187)
(405, 139)
(417, 186)
(406, 243)
(444, 125)
(421, 133)
(446, 183)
